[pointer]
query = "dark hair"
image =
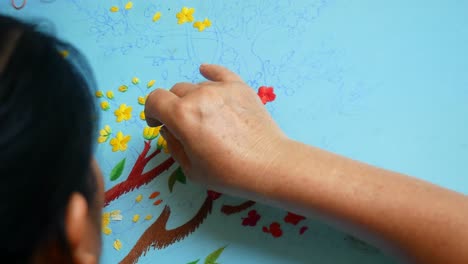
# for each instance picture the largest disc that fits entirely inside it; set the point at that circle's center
(47, 122)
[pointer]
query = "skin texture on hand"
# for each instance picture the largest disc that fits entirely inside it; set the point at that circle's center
(221, 134)
(219, 130)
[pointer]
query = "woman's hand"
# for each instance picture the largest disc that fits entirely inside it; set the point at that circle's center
(219, 131)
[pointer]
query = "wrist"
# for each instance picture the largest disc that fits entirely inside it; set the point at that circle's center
(268, 174)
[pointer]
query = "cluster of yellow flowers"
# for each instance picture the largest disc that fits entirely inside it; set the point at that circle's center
(106, 219)
(150, 133)
(186, 15)
(123, 88)
(128, 6)
(116, 215)
(120, 141)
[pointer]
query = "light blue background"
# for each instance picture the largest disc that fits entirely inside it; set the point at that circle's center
(384, 82)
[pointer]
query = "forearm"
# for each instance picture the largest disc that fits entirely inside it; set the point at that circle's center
(426, 223)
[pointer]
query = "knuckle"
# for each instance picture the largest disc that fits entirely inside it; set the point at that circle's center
(182, 110)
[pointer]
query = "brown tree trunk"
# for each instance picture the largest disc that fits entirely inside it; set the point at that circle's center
(158, 237)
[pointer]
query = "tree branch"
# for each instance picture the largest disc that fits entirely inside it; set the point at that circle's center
(158, 237)
(233, 209)
(134, 182)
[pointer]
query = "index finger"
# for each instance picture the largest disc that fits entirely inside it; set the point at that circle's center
(158, 108)
(218, 73)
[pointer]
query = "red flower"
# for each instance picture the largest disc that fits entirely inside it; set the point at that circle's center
(293, 218)
(274, 230)
(266, 94)
(251, 219)
(213, 195)
(303, 229)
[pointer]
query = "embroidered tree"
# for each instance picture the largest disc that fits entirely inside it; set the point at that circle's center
(156, 236)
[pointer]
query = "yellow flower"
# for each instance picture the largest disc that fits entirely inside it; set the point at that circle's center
(123, 88)
(142, 115)
(119, 142)
(151, 83)
(141, 100)
(105, 105)
(110, 94)
(114, 9)
(117, 245)
(151, 133)
(157, 16)
(201, 25)
(123, 113)
(185, 15)
(99, 94)
(129, 5)
(64, 53)
(104, 134)
(148, 217)
(139, 198)
(106, 230)
(135, 80)
(162, 144)
(105, 219)
(136, 218)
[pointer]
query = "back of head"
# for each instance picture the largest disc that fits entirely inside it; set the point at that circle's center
(46, 130)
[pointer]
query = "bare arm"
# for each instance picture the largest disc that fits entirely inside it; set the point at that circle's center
(414, 220)
(223, 137)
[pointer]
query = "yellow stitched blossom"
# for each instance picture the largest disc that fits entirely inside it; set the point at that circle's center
(185, 15)
(157, 16)
(104, 134)
(114, 9)
(151, 133)
(105, 219)
(120, 142)
(136, 218)
(148, 217)
(117, 245)
(99, 94)
(135, 80)
(116, 215)
(201, 25)
(106, 230)
(141, 100)
(162, 144)
(129, 5)
(142, 115)
(64, 53)
(151, 83)
(123, 88)
(105, 223)
(123, 113)
(139, 198)
(105, 105)
(110, 94)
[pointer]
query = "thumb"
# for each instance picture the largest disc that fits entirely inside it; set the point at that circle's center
(218, 73)
(175, 148)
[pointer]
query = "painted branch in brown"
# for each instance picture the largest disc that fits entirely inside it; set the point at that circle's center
(137, 178)
(158, 237)
(233, 209)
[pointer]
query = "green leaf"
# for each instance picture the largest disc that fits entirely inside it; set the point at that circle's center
(177, 175)
(181, 176)
(117, 170)
(194, 262)
(213, 257)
